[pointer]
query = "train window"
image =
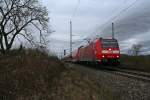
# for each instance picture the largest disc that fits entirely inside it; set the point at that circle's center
(107, 43)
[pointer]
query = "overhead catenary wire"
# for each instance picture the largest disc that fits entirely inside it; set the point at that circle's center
(116, 16)
(102, 27)
(75, 9)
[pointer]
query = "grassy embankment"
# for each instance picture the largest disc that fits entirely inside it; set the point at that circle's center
(35, 75)
(27, 75)
(136, 62)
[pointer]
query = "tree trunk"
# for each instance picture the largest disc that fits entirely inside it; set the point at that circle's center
(2, 46)
(6, 49)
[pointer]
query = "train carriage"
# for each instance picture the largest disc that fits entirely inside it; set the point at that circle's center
(99, 51)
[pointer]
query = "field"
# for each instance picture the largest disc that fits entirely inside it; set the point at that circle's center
(27, 75)
(136, 62)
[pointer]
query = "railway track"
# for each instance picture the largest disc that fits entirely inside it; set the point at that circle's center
(139, 75)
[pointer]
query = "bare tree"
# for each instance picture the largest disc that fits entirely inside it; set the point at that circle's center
(135, 49)
(16, 17)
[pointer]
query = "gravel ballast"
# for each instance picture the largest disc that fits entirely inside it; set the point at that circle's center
(122, 88)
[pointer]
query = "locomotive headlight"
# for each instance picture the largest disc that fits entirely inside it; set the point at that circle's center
(117, 56)
(103, 56)
(116, 51)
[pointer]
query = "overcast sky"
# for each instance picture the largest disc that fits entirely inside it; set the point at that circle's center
(92, 18)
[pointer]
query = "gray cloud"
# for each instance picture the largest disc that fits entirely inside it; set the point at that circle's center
(131, 26)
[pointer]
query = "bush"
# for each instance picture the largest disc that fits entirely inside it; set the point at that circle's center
(137, 62)
(28, 75)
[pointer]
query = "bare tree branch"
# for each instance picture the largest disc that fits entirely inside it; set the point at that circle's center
(17, 15)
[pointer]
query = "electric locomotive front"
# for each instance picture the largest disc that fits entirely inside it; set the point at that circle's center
(110, 50)
(107, 51)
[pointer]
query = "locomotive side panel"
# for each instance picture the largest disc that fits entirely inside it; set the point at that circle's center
(98, 51)
(89, 53)
(75, 56)
(86, 54)
(81, 54)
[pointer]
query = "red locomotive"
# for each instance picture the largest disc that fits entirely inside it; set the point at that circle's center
(98, 51)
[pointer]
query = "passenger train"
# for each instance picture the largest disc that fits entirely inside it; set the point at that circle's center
(99, 51)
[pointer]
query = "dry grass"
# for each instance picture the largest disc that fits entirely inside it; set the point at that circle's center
(28, 75)
(137, 62)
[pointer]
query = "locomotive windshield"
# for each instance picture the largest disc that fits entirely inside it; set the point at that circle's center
(109, 43)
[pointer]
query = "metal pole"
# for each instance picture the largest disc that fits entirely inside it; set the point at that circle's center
(64, 52)
(70, 38)
(113, 31)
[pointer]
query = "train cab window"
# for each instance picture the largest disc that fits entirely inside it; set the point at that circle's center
(109, 43)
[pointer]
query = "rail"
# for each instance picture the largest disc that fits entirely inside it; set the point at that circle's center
(139, 75)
